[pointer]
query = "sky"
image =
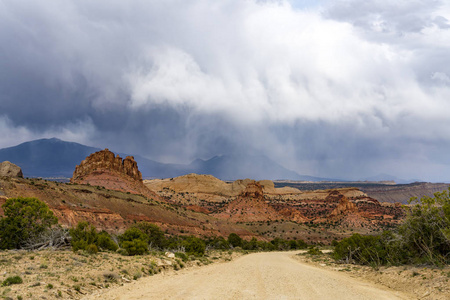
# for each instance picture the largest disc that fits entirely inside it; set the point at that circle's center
(343, 89)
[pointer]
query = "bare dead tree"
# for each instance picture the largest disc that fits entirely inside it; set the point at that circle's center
(53, 238)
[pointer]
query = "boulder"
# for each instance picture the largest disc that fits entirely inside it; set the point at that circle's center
(8, 169)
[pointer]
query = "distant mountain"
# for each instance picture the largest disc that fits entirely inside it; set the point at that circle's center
(56, 158)
(47, 157)
(258, 167)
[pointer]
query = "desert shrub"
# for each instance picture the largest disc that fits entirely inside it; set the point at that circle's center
(12, 280)
(84, 235)
(301, 244)
(250, 245)
(135, 247)
(194, 246)
(105, 242)
(110, 277)
(426, 229)
(182, 255)
(23, 218)
(92, 249)
(314, 251)
(218, 243)
(367, 250)
(280, 244)
(134, 241)
(423, 237)
(235, 240)
(155, 236)
(293, 245)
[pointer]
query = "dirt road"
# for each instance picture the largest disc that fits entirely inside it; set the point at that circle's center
(274, 275)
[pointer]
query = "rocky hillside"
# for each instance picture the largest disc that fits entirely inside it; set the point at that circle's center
(112, 210)
(251, 201)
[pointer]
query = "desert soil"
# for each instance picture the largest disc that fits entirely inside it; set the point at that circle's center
(67, 275)
(274, 275)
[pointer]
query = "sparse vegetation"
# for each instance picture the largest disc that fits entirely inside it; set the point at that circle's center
(85, 237)
(12, 280)
(24, 218)
(423, 237)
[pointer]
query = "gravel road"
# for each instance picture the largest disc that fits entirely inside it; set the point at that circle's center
(273, 275)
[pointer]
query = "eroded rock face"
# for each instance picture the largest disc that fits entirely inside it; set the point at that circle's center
(105, 160)
(344, 206)
(249, 206)
(105, 169)
(8, 169)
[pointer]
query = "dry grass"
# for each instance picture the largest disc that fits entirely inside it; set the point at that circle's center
(69, 275)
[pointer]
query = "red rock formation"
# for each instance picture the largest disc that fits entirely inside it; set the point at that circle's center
(105, 160)
(249, 206)
(105, 169)
(292, 214)
(344, 206)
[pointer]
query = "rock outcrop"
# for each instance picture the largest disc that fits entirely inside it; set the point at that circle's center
(344, 205)
(105, 169)
(249, 206)
(105, 160)
(8, 169)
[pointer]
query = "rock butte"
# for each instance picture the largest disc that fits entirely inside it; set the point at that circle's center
(104, 168)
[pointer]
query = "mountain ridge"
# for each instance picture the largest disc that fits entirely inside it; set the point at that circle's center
(53, 158)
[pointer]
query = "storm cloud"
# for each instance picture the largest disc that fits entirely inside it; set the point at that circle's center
(344, 89)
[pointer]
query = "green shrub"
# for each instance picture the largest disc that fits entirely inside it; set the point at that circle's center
(134, 241)
(85, 236)
(367, 250)
(155, 236)
(105, 242)
(135, 247)
(182, 255)
(12, 280)
(24, 218)
(235, 240)
(301, 244)
(218, 243)
(426, 229)
(194, 246)
(314, 251)
(92, 249)
(423, 237)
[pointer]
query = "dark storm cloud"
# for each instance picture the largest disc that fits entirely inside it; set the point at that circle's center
(345, 89)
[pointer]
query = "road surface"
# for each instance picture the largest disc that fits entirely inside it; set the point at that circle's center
(272, 275)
